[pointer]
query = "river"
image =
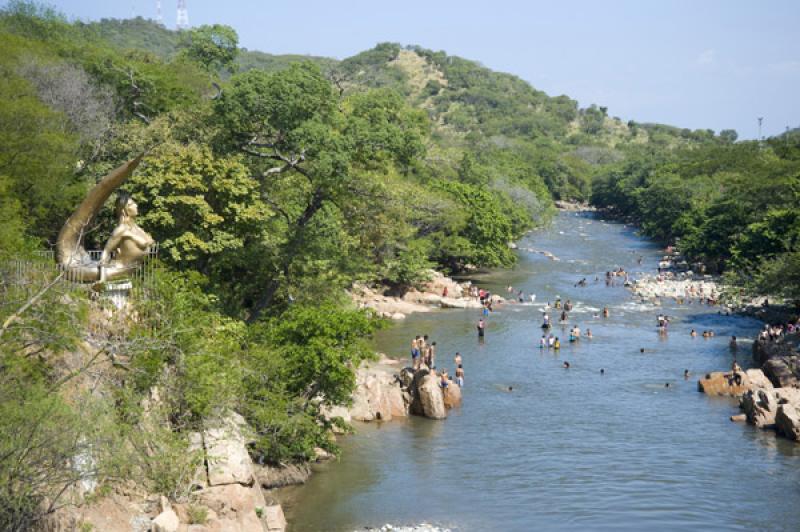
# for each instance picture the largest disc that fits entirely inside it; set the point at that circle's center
(570, 448)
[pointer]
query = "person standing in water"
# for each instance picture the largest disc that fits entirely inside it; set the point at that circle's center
(481, 328)
(460, 375)
(415, 352)
(605, 312)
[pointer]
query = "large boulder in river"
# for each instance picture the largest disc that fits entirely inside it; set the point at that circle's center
(724, 383)
(783, 372)
(428, 397)
(758, 379)
(787, 420)
(452, 395)
(760, 407)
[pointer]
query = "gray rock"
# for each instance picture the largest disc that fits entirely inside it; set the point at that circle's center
(226, 452)
(166, 521)
(782, 372)
(788, 421)
(274, 518)
(760, 407)
(431, 398)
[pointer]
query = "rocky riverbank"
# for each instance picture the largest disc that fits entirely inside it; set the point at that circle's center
(684, 287)
(573, 206)
(384, 392)
(768, 397)
(439, 292)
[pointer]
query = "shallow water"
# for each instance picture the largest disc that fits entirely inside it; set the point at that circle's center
(567, 448)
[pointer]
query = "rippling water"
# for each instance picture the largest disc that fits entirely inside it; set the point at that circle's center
(567, 449)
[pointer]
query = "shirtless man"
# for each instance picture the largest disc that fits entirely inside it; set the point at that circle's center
(415, 352)
(457, 359)
(460, 375)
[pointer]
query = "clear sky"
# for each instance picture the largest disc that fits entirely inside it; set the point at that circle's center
(715, 64)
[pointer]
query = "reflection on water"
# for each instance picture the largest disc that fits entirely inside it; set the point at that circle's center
(567, 448)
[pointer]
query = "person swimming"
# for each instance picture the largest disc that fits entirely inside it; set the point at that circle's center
(565, 365)
(602, 371)
(686, 374)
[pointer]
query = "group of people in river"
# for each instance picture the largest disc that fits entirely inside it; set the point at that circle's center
(770, 333)
(423, 353)
(618, 272)
(709, 333)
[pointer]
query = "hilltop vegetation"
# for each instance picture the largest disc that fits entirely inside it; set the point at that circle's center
(273, 183)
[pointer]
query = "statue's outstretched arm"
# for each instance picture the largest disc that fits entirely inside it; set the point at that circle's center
(113, 243)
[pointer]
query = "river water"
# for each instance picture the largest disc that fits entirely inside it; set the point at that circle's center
(567, 448)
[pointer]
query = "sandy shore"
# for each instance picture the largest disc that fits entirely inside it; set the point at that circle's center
(430, 296)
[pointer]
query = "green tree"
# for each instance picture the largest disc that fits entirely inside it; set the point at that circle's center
(213, 46)
(197, 205)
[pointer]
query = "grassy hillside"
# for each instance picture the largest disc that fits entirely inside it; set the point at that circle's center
(144, 34)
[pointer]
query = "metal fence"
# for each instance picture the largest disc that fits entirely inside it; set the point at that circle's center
(22, 278)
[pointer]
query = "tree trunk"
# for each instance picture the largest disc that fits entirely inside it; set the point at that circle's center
(290, 252)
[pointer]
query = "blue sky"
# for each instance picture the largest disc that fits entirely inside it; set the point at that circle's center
(698, 64)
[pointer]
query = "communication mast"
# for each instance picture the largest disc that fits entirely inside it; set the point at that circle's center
(159, 16)
(183, 16)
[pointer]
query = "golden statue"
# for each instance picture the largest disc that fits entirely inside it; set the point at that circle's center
(127, 246)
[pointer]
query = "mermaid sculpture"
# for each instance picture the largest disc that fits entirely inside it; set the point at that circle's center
(126, 247)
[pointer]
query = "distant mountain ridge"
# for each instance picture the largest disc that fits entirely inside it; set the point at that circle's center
(473, 109)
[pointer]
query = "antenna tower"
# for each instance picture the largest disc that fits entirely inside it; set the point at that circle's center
(183, 16)
(159, 16)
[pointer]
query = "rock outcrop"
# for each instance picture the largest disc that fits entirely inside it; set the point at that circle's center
(787, 420)
(428, 397)
(452, 396)
(771, 399)
(226, 487)
(377, 396)
(783, 372)
(439, 292)
(166, 521)
(760, 407)
(226, 452)
(724, 383)
(382, 394)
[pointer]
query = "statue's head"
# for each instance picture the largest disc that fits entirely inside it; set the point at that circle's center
(125, 208)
